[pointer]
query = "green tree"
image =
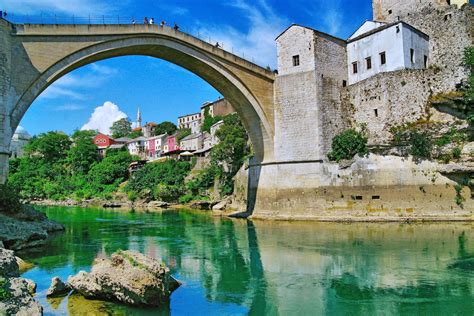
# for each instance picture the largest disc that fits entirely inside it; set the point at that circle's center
(52, 146)
(165, 127)
(182, 133)
(83, 153)
(209, 121)
(348, 144)
(230, 153)
(135, 134)
(420, 145)
(121, 128)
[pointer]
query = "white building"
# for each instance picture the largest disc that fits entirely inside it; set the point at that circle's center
(214, 129)
(19, 140)
(191, 142)
(380, 47)
(137, 146)
(185, 120)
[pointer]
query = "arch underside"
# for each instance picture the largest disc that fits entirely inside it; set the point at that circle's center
(198, 62)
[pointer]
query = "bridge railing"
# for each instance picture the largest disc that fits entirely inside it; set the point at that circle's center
(121, 20)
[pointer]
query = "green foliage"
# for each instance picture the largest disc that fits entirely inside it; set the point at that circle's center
(186, 198)
(209, 121)
(51, 146)
(83, 154)
(459, 199)
(4, 292)
(457, 152)
(169, 172)
(121, 128)
(229, 155)
(165, 128)
(135, 134)
(420, 145)
(469, 62)
(168, 193)
(348, 144)
(132, 196)
(203, 181)
(9, 200)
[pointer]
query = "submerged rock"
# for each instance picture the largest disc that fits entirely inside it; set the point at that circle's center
(8, 264)
(128, 277)
(222, 205)
(58, 288)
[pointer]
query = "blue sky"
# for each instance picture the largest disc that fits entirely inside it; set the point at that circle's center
(162, 90)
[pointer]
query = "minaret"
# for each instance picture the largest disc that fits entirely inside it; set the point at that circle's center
(139, 118)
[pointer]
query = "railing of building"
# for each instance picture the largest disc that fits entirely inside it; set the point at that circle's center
(122, 20)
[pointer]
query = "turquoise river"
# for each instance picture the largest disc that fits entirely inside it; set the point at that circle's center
(240, 267)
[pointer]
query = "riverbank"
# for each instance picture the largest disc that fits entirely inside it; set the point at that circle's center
(26, 228)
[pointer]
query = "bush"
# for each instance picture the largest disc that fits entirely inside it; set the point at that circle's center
(168, 193)
(9, 200)
(348, 144)
(457, 153)
(132, 196)
(186, 198)
(420, 145)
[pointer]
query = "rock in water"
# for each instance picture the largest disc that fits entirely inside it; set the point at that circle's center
(15, 293)
(58, 288)
(128, 277)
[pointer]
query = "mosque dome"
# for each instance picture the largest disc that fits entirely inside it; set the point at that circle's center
(21, 133)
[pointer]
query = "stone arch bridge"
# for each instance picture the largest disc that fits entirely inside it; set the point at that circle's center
(33, 56)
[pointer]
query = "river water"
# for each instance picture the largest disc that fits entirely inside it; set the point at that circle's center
(235, 267)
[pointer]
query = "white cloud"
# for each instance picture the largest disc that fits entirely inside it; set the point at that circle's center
(258, 42)
(103, 117)
(69, 107)
(54, 92)
(76, 7)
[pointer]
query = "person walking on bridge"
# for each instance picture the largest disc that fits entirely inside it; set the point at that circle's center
(163, 23)
(176, 27)
(145, 20)
(152, 20)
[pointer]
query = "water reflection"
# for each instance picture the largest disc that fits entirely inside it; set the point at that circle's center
(245, 267)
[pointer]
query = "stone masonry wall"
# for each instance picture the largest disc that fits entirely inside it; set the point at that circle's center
(391, 10)
(398, 97)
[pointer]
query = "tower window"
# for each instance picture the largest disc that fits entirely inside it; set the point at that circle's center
(426, 61)
(383, 58)
(344, 83)
(296, 60)
(389, 11)
(354, 68)
(376, 112)
(368, 61)
(412, 55)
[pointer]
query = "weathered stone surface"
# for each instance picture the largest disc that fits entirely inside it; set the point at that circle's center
(157, 204)
(222, 205)
(202, 205)
(18, 299)
(8, 263)
(58, 288)
(128, 277)
(26, 229)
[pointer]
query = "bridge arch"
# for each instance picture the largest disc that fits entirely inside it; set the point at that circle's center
(209, 67)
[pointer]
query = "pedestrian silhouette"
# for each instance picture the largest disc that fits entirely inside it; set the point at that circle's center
(217, 45)
(152, 20)
(145, 20)
(176, 27)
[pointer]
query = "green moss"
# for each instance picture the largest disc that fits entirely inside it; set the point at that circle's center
(4, 292)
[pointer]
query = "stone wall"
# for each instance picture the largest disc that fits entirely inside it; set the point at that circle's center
(371, 189)
(391, 10)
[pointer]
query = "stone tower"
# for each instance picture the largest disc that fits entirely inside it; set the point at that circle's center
(139, 118)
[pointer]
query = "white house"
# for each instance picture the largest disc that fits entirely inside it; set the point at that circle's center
(382, 47)
(137, 146)
(191, 142)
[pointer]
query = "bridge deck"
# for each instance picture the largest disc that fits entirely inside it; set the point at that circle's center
(56, 30)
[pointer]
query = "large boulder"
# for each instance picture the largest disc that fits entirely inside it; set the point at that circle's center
(128, 277)
(15, 293)
(58, 288)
